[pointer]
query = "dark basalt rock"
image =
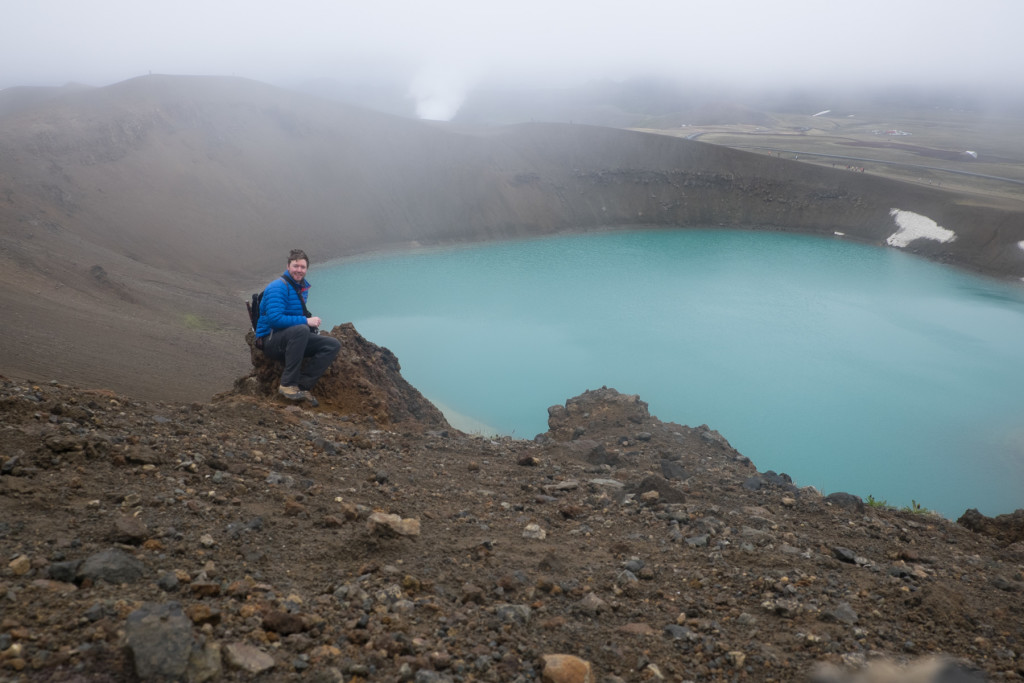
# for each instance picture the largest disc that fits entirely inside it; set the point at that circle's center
(666, 492)
(113, 566)
(845, 500)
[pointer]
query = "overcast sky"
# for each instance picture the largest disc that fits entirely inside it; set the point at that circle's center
(444, 46)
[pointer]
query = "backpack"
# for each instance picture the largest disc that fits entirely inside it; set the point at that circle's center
(254, 310)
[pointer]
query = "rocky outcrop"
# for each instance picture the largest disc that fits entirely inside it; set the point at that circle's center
(364, 383)
(596, 409)
(1007, 528)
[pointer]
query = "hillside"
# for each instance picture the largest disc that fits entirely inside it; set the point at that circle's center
(243, 540)
(134, 217)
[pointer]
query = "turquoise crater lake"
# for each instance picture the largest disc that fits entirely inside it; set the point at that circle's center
(849, 367)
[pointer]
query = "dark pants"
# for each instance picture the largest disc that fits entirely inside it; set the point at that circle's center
(291, 345)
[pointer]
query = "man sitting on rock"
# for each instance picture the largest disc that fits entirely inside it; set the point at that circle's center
(288, 332)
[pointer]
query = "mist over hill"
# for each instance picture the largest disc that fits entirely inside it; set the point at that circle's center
(134, 216)
(651, 102)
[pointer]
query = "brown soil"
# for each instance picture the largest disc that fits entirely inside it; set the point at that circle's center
(652, 550)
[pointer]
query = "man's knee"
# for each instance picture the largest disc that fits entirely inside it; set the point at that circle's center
(322, 345)
(332, 347)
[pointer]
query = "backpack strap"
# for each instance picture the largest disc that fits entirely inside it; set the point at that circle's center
(298, 293)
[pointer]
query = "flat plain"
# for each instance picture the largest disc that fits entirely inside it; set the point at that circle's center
(960, 148)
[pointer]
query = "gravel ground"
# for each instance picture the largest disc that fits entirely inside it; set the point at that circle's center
(246, 539)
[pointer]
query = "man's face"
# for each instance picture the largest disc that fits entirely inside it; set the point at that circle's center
(297, 269)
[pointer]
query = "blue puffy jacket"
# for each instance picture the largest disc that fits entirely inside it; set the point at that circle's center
(280, 306)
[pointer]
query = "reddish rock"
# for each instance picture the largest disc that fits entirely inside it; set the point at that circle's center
(203, 614)
(205, 589)
(638, 629)
(283, 623)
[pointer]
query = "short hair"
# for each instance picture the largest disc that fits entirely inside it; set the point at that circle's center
(298, 255)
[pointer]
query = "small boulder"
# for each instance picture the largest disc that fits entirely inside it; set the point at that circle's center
(159, 641)
(284, 623)
(847, 501)
(247, 658)
(535, 532)
(566, 669)
(112, 566)
(384, 524)
(129, 530)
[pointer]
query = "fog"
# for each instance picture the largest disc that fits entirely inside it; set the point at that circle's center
(437, 50)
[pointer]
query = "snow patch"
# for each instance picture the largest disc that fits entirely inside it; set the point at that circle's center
(914, 226)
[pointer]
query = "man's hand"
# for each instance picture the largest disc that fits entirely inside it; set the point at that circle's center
(313, 321)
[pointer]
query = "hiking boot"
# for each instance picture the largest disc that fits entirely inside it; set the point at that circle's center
(309, 395)
(293, 393)
(297, 394)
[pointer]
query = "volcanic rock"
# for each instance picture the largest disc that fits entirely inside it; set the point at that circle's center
(1008, 528)
(112, 566)
(364, 382)
(160, 641)
(729, 582)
